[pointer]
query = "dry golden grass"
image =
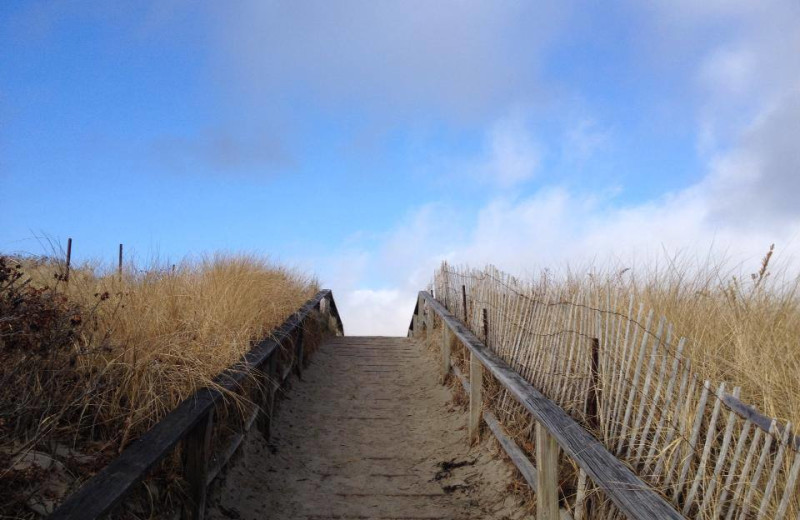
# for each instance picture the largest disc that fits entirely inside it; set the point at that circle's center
(744, 330)
(740, 328)
(136, 346)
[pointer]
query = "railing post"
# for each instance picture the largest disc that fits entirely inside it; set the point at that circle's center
(69, 259)
(445, 351)
(464, 302)
(197, 448)
(270, 384)
(119, 265)
(593, 399)
(547, 483)
(475, 398)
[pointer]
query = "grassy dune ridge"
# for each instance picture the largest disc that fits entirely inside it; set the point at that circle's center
(95, 361)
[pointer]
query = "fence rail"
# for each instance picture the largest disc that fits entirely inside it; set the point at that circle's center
(630, 494)
(620, 370)
(192, 423)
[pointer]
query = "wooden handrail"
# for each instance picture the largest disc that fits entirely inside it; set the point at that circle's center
(100, 494)
(629, 493)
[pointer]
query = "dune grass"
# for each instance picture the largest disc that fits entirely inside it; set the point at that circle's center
(94, 361)
(741, 326)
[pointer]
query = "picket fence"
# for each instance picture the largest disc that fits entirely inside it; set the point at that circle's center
(693, 440)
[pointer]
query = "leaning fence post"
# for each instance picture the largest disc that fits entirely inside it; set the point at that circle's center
(547, 483)
(464, 301)
(593, 399)
(119, 264)
(69, 259)
(475, 398)
(445, 352)
(197, 451)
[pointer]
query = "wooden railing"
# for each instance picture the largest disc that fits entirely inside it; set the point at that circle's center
(628, 376)
(554, 427)
(192, 422)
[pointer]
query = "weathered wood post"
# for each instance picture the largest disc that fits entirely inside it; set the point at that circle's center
(475, 389)
(119, 263)
(270, 385)
(485, 327)
(423, 319)
(69, 259)
(464, 302)
(475, 397)
(197, 451)
(593, 399)
(547, 483)
(445, 352)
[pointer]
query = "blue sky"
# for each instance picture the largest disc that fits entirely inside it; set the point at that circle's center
(367, 141)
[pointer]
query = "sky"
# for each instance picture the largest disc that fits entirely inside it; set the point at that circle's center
(366, 141)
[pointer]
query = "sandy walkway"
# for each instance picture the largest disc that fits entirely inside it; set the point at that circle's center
(368, 433)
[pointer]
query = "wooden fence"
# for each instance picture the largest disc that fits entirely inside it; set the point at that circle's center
(625, 379)
(554, 428)
(270, 362)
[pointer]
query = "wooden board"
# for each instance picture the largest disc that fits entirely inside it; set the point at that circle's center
(107, 488)
(627, 491)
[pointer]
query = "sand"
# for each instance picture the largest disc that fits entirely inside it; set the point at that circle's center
(368, 433)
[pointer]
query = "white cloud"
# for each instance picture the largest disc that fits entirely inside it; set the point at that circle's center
(455, 57)
(729, 72)
(747, 101)
(513, 156)
(371, 312)
(557, 229)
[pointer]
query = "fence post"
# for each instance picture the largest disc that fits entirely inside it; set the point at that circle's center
(464, 301)
(445, 351)
(69, 259)
(270, 384)
(593, 399)
(197, 450)
(485, 327)
(547, 483)
(119, 264)
(475, 398)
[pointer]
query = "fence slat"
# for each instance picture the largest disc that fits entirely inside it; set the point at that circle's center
(644, 395)
(664, 411)
(790, 489)
(629, 493)
(748, 499)
(710, 435)
(773, 478)
(726, 441)
(692, 444)
(745, 471)
(634, 383)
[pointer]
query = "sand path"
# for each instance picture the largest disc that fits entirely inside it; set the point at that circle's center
(367, 433)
